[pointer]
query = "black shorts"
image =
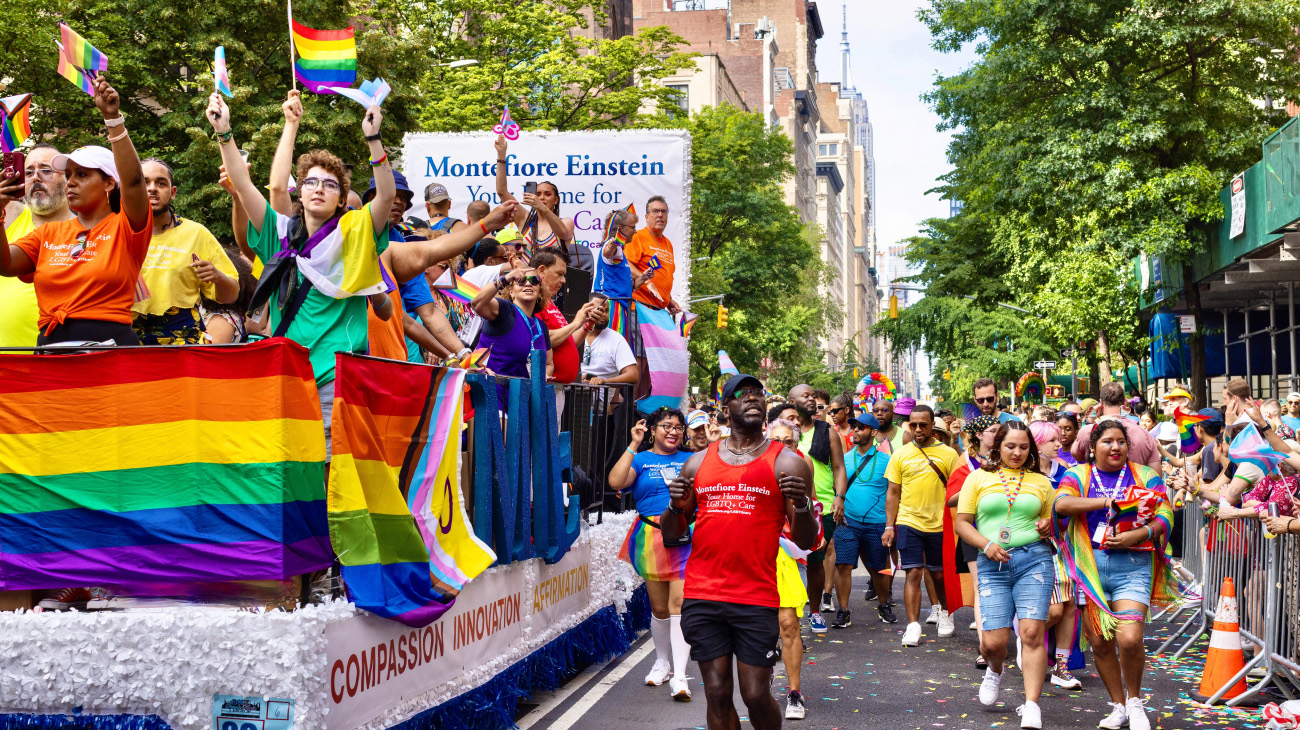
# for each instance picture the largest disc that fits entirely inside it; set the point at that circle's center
(917, 549)
(716, 629)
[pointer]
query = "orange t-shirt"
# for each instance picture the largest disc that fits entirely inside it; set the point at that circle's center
(388, 337)
(93, 278)
(659, 289)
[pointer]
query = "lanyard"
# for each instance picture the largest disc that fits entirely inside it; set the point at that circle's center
(533, 334)
(1007, 490)
(1119, 483)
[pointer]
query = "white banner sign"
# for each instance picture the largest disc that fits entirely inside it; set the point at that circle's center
(563, 589)
(595, 172)
(1238, 206)
(375, 663)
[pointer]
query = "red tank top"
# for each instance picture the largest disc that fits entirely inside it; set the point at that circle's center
(739, 518)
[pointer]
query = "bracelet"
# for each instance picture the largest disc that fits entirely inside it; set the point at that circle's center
(1151, 534)
(630, 451)
(224, 137)
(373, 138)
(117, 121)
(1288, 525)
(380, 161)
(120, 136)
(500, 160)
(463, 352)
(675, 510)
(485, 230)
(986, 547)
(802, 510)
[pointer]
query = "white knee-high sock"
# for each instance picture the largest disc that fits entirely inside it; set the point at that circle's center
(660, 632)
(681, 649)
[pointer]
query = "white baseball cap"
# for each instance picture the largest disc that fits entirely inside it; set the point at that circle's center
(93, 156)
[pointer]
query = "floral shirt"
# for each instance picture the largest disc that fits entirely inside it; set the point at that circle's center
(1273, 489)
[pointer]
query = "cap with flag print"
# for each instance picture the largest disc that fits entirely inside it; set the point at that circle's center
(326, 58)
(15, 121)
(1186, 434)
(221, 76)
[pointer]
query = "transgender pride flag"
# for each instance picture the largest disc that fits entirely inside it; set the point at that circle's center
(1249, 447)
(666, 356)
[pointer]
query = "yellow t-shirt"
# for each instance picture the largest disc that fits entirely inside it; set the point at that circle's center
(167, 272)
(920, 504)
(18, 310)
(984, 495)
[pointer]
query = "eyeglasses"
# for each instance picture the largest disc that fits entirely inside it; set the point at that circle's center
(670, 428)
(749, 393)
(311, 183)
(989, 399)
(44, 173)
(791, 442)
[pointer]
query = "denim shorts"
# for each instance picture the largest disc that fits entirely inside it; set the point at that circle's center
(1022, 587)
(853, 539)
(917, 549)
(1125, 574)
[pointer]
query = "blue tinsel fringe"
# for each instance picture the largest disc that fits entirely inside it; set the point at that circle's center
(492, 706)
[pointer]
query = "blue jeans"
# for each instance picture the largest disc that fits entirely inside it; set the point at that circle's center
(1022, 587)
(1125, 574)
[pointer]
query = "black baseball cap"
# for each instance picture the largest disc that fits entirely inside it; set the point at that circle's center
(735, 382)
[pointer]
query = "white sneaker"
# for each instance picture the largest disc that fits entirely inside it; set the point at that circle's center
(933, 618)
(1031, 718)
(945, 624)
(989, 688)
(1117, 718)
(795, 709)
(974, 626)
(659, 674)
(680, 689)
(1136, 709)
(912, 636)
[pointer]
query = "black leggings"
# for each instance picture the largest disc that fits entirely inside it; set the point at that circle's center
(89, 330)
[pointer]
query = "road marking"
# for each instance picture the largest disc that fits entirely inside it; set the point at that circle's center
(592, 696)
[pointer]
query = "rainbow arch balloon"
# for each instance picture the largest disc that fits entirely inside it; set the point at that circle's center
(1031, 387)
(874, 386)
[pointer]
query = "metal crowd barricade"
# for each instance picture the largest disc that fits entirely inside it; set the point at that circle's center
(1262, 568)
(599, 419)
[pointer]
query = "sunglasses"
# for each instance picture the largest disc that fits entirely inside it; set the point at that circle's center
(989, 399)
(821, 407)
(836, 410)
(530, 279)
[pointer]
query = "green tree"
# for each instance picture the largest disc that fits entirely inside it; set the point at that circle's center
(1090, 132)
(753, 248)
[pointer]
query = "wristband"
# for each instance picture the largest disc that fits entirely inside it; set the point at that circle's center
(1151, 534)
(676, 511)
(224, 137)
(120, 136)
(373, 138)
(461, 355)
(380, 161)
(630, 451)
(117, 121)
(803, 509)
(1288, 525)
(889, 527)
(484, 228)
(986, 547)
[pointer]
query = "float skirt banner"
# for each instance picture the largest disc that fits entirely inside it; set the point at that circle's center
(594, 173)
(666, 356)
(161, 465)
(396, 516)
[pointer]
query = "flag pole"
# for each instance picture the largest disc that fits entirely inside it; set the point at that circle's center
(292, 75)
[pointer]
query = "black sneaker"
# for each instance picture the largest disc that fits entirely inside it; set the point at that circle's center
(886, 612)
(871, 592)
(843, 619)
(827, 606)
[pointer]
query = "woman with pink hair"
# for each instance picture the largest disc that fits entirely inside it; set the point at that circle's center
(1061, 614)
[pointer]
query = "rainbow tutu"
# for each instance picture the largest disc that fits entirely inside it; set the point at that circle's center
(644, 549)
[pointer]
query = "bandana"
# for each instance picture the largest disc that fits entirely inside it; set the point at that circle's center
(979, 425)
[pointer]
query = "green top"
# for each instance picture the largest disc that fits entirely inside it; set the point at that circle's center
(324, 325)
(823, 477)
(984, 496)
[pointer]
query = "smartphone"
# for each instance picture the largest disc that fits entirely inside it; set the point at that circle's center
(530, 188)
(14, 166)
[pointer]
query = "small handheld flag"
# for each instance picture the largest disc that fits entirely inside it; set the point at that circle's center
(326, 58)
(725, 365)
(456, 288)
(1186, 434)
(654, 263)
(507, 126)
(476, 359)
(220, 76)
(687, 324)
(15, 121)
(80, 53)
(371, 93)
(1249, 447)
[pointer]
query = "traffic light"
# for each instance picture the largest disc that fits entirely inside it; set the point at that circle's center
(722, 317)
(893, 306)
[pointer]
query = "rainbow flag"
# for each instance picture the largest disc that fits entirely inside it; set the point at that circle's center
(1186, 434)
(221, 76)
(77, 76)
(618, 317)
(1249, 447)
(80, 53)
(15, 121)
(325, 58)
(477, 358)
(161, 465)
(687, 324)
(396, 515)
(456, 288)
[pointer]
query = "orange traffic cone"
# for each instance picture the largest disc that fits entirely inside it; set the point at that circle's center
(1223, 659)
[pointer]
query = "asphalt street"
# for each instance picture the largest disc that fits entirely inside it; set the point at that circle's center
(862, 677)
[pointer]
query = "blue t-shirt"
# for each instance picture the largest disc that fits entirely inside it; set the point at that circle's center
(865, 499)
(1293, 422)
(1004, 416)
(612, 280)
(653, 472)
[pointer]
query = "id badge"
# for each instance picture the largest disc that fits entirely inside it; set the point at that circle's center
(1099, 536)
(1004, 535)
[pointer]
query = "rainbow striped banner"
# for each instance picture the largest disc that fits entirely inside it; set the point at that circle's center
(326, 58)
(15, 121)
(396, 432)
(161, 465)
